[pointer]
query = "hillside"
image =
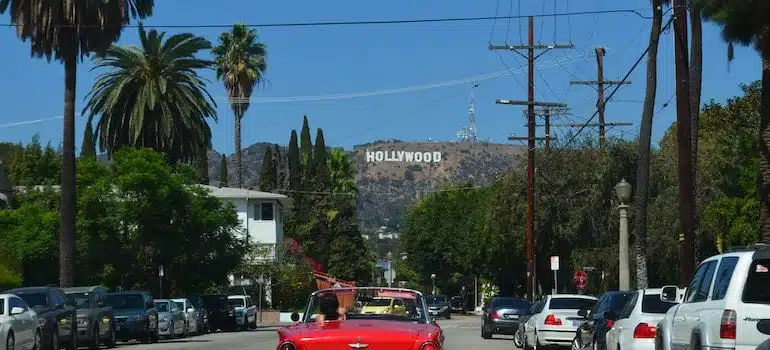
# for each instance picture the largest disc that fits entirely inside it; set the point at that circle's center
(392, 175)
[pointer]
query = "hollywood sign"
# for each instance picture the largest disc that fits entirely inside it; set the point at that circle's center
(403, 156)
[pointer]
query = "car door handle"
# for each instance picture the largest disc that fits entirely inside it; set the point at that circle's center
(620, 328)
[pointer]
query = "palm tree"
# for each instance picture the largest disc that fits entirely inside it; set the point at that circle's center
(153, 97)
(747, 23)
(241, 62)
(69, 31)
(342, 172)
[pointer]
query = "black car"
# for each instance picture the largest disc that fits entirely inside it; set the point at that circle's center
(594, 329)
(57, 317)
(95, 318)
(203, 316)
(502, 316)
(221, 313)
(458, 303)
(438, 306)
(135, 315)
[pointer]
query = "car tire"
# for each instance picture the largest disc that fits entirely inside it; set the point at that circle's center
(576, 344)
(10, 341)
(185, 330)
(484, 333)
(111, 340)
(155, 336)
(72, 343)
(94, 343)
(518, 339)
(253, 325)
(37, 342)
(55, 344)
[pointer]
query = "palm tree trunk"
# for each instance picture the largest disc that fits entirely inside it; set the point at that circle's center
(696, 74)
(643, 152)
(238, 171)
(68, 203)
(764, 146)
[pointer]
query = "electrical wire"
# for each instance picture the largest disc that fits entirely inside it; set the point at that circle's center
(638, 12)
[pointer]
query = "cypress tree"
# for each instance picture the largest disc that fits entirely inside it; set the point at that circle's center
(88, 148)
(223, 172)
(319, 158)
(268, 175)
(280, 166)
(203, 167)
(294, 169)
(305, 144)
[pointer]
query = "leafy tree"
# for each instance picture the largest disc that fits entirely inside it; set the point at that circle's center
(171, 117)
(241, 63)
(88, 149)
(33, 164)
(223, 172)
(68, 32)
(268, 175)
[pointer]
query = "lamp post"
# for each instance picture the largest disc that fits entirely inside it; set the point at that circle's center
(623, 191)
(433, 281)
(161, 273)
(390, 269)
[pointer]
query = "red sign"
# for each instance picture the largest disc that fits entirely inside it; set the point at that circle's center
(580, 279)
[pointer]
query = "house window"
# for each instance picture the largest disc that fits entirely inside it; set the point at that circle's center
(266, 211)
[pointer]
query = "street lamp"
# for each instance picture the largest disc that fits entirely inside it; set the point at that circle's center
(390, 269)
(433, 280)
(623, 192)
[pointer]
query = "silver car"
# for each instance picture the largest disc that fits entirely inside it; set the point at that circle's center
(191, 315)
(171, 319)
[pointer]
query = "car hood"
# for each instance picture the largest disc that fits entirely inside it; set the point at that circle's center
(339, 334)
(130, 312)
(83, 312)
(164, 314)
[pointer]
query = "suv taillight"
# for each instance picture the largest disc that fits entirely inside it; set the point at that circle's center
(645, 331)
(552, 320)
(728, 325)
(494, 315)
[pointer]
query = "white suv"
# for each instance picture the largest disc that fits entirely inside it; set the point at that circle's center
(726, 306)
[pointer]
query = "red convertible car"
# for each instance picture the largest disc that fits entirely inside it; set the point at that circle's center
(366, 318)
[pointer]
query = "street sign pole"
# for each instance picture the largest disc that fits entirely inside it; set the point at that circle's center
(555, 269)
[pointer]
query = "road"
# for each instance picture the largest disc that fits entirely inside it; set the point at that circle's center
(462, 333)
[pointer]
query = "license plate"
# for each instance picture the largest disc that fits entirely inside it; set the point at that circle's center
(576, 323)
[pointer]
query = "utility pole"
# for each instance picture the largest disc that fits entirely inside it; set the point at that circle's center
(530, 103)
(546, 113)
(684, 136)
(600, 83)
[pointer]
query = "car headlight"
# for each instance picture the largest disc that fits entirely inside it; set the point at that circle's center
(82, 321)
(137, 318)
(164, 319)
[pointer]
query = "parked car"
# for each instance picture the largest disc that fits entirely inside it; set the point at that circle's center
(135, 315)
(190, 314)
(519, 338)
(221, 313)
(634, 327)
(55, 315)
(411, 330)
(19, 327)
(595, 323)
(171, 319)
(245, 311)
(458, 304)
(555, 319)
(502, 316)
(95, 318)
(438, 306)
(202, 314)
(726, 305)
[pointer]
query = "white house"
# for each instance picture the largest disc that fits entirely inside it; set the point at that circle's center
(261, 214)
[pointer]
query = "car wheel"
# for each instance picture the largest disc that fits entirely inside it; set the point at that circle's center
(10, 341)
(185, 330)
(112, 340)
(254, 324)
(484, 333)
(55, 339)
(155, 336)
(518, 339)
(94, 343)
(37, 342)
(576, 344)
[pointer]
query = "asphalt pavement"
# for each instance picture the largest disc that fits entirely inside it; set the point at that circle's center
(462, 333)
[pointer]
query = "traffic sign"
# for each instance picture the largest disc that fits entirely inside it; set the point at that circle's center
(554, 263)
(580, 279)
(390, 275)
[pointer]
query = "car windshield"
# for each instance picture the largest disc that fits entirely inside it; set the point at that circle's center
(510, 303)
(196, 302)
(179, 305)
(81, 300)
(651, 304)
(571, 304)
(236, 302)
(216, 300)
(435, 299)
(125, 301)
(34, 299)
(755, 291)
(161, 306)
(357, 303)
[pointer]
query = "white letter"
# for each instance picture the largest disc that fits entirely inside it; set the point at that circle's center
(369, 157)
(417, 157)
(409, 156)
(379, 156)
(400, 156)
(436, 157)
(426, 157)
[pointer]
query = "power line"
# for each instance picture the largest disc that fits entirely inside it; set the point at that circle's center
(638, 12)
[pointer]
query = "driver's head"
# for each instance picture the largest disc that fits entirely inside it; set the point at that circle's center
(329, 306)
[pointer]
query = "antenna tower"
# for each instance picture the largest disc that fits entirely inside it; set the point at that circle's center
(468, 134)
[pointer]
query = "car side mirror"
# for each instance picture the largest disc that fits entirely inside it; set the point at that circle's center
(669, 294)
(190, 310)
(433, 320)
(610, 315)
(583, 313)
(294, 317)
(17, 311)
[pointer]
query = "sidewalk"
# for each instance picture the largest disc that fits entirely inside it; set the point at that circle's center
(273, 324)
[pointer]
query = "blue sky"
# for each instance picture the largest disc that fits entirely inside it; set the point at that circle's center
(312, 61)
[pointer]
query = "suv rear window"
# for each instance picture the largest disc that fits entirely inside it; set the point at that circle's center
(755, 291)
(651, 304)
(571, 304)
